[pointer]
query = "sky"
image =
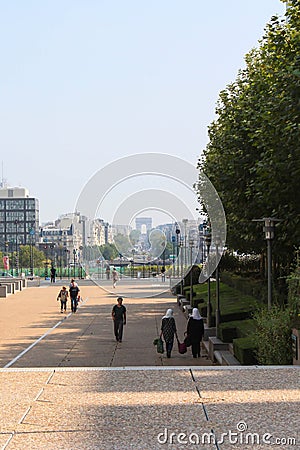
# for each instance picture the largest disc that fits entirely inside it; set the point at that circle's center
(86, 82)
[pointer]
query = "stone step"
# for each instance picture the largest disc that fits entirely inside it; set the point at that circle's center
(230, 348)
(228, 359)
(215, 344)
(208, 332)
(218, 357)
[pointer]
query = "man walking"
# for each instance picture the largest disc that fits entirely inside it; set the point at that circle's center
(74, 294)
(119, 317)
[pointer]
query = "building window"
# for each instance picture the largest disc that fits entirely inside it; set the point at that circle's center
(15, 204)
(30, 204)
(15, 215)
(30, 215)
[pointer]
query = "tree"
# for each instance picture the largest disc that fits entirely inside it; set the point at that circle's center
(253, 154)
(109, 251)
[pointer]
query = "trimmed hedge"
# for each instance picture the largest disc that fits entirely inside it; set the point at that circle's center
(236, 329)
(233, 304)
(247, 286)
(245, 350)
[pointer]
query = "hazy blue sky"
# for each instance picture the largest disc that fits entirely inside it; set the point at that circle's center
(85, 82)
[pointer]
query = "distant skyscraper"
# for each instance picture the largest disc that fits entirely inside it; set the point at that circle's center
(19, 218)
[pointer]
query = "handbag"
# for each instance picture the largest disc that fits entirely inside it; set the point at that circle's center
(182, 347)
(187, 341)
(159, 345)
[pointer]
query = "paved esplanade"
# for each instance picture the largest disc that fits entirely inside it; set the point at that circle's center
(71, 391)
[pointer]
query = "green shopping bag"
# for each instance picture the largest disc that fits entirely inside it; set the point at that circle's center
(159, 345)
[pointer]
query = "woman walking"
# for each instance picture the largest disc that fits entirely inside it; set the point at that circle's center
(195, 331)
(168, 330)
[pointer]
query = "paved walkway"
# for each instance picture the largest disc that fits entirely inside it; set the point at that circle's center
(142, 407)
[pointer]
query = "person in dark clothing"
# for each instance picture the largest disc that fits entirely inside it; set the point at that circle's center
(195, 331)
(74, 294)
(119, 317)
(53, 274)
(168, 330)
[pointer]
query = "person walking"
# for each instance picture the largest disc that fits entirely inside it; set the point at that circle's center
(115, 277)
(52, 274)
(63, 297)
(119, 317)
(168, 330)
(74, 295)
(195, 331)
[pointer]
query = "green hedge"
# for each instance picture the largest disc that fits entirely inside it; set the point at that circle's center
(233, 304)
(236, 329)
(245, 350)
(247, 286)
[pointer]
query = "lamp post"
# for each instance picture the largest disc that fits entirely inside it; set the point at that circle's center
(185, 221)
(74, 261)
(218, 316)
(181, 244)
(46, 261)
(133, 251)
(177, 247)
(68, 261)
(6, 258)
(31, 233)
(173, 255)
(16, 258)
(209, 309)
(269, 230)
(191, 244)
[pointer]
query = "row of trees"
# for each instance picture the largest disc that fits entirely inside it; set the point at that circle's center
(25, 259)
(253, 155)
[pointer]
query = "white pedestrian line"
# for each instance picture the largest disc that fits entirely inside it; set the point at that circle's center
(40, 338)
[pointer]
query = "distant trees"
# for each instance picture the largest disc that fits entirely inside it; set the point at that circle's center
(253, 154)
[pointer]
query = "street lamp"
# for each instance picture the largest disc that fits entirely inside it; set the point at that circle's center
(185, 221)
(217, 241)
(31, 233)
(177, 231)
(74, 261)
(269, 229)
(191, 244)
(6, 258)
(46, 261)
(173, 255)
(16, 258)
(181, 244)
(133, 251)
(209, 309)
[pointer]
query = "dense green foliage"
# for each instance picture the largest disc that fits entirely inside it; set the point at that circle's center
(273, 336)
(253, 154)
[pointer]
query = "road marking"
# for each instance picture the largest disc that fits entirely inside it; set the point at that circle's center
(40, 338)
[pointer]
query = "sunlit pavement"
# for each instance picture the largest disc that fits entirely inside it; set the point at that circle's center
(78, 389)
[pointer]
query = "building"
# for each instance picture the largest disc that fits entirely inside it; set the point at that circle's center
(19, 218)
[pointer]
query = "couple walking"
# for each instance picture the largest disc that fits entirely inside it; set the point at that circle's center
(195, 331)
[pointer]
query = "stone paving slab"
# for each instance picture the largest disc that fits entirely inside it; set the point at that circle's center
(150, 408)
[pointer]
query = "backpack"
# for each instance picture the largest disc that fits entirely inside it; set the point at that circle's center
(63, 295)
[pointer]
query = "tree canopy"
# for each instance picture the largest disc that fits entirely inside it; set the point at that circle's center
(253, 154)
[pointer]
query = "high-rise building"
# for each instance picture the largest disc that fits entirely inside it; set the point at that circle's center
(19, 218)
